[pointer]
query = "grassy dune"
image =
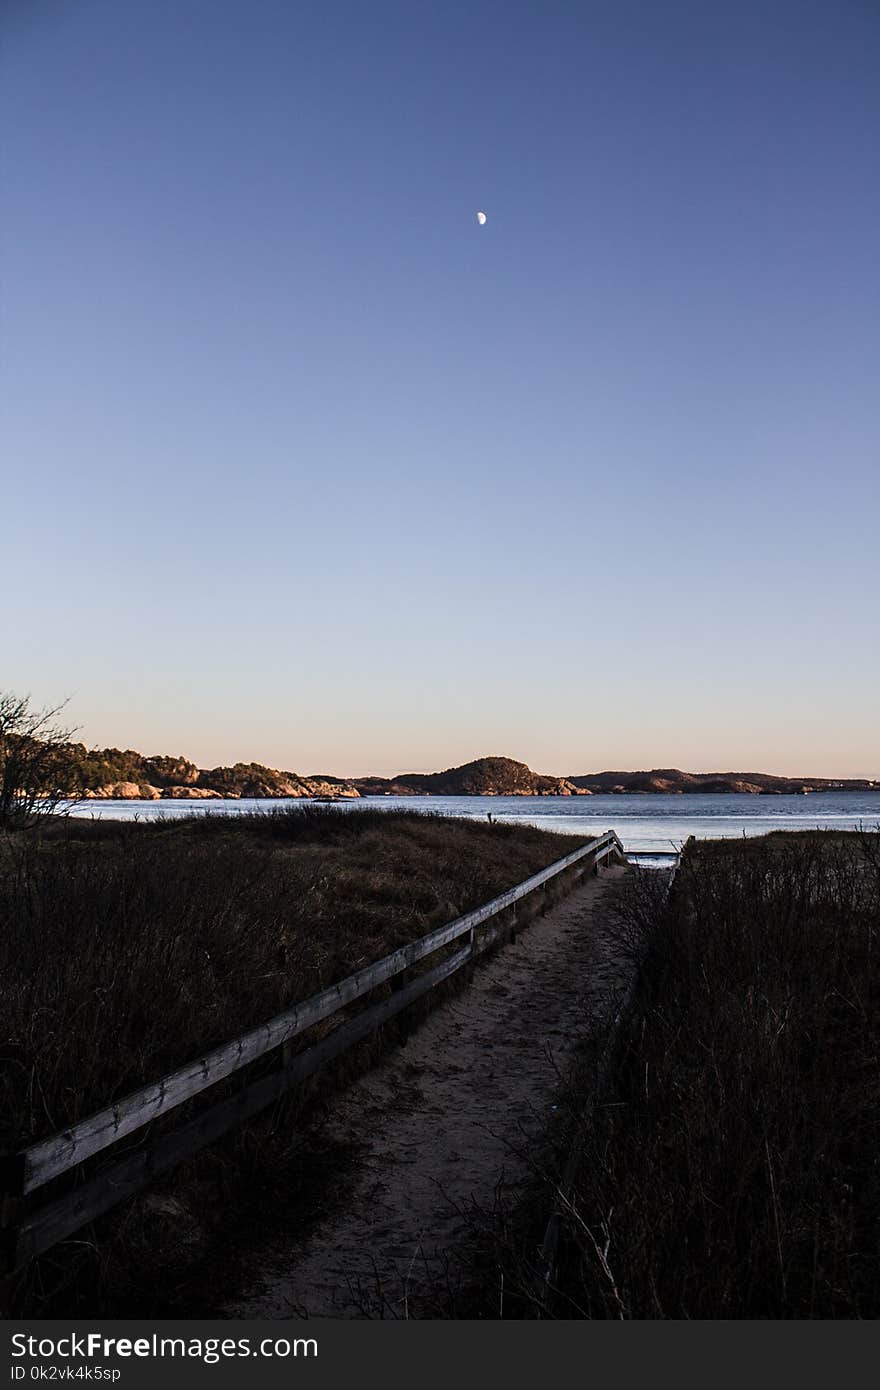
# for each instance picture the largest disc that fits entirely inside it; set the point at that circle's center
(727, 1165)
(127, 949)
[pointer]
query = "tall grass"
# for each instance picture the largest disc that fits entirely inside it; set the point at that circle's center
(729, 1165)
(126, 950)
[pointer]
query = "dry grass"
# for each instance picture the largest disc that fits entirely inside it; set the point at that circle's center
(126, 950)
(727, 1166)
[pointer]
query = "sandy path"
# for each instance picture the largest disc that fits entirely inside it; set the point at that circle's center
(439, 1123)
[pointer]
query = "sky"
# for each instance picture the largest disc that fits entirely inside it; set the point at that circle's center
(301, 465)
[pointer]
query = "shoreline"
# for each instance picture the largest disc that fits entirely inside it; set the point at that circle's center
(201, 795)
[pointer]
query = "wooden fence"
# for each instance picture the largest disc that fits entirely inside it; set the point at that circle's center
(28, 1228)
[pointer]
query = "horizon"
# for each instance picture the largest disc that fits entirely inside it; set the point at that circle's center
(313, 469)
(307, 770)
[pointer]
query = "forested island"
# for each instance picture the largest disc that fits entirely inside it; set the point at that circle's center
(112, 773)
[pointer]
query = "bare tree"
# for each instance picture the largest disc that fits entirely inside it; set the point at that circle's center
(38, 775)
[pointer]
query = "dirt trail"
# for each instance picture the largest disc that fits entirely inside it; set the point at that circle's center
(439, 1123)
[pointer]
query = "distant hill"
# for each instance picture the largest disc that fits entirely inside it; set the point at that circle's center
(672, 780)
(116, 773)
(483, 777)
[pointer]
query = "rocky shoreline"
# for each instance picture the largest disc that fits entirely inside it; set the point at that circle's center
(145, 791)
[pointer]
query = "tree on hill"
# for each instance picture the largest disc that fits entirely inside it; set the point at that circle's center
(37, 768)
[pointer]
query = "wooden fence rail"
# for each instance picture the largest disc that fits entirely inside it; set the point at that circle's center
(26, 1234)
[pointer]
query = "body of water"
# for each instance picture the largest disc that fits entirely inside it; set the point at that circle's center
(646, 823)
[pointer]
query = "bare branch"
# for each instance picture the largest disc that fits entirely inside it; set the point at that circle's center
(38, 772)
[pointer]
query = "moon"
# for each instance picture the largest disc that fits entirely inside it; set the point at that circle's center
(481, 218)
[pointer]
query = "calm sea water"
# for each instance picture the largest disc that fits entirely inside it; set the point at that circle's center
(643, 823)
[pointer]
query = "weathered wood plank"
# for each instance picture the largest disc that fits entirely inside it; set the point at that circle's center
(51, 1157)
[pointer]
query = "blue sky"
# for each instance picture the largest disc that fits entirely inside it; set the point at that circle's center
(304, 466)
